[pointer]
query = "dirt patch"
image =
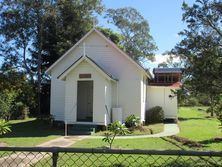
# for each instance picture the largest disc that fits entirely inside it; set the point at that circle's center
(212, 140)
(217, 139)
(2, 144)
(186, 142)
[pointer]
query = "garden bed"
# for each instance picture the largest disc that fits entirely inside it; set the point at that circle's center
(140, 130)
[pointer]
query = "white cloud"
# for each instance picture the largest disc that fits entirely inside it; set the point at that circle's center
(159, 58)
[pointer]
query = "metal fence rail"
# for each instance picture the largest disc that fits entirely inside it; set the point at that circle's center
(57, 156)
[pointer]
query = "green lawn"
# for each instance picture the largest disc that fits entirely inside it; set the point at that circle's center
(194, 124)
(29, 132)
(142, 143)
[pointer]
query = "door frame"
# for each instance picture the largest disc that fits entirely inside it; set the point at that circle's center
(80, 80)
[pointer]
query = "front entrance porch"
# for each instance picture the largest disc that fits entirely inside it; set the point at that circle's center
(85, 101)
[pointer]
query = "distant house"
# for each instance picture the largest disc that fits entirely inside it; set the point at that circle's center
(95, 82)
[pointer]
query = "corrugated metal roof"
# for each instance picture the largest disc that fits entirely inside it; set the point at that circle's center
(167, 70)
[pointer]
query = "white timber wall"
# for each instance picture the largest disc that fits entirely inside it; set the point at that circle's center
(57, 98)
(128, 93)
(101, 94)
(159, 96)
(143, 97)
(128, 96)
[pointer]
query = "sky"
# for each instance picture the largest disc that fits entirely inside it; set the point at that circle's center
(164, 18)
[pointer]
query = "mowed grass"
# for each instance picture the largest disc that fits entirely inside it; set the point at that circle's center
(29, 132)
(137, 143)
(195, 124)
(124, 160)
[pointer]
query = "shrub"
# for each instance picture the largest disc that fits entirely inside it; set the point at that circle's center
(218, 111)
(7, 99)
(132, 121)
(192, 102)
(155, 115)
(204, 100)
(21, 111)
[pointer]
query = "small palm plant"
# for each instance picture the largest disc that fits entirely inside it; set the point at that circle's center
(116, 128)
(4, 127)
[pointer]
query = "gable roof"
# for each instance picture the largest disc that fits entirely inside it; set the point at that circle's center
(91, 62)
(110, 42)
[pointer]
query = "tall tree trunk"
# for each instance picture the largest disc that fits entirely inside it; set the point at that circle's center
(27, 68)
(211, 106)
(39, 82)
(39, 31)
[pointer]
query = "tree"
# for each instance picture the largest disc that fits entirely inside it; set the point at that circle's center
(113, 36)
(163, 65)
(137, 41)
(218, 111)
(16, 30)
(201, 49)
(65, 24)
(7, 99)
(17, 84)
(35, 33)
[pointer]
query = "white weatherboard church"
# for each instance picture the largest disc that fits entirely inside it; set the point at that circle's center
(95, 81)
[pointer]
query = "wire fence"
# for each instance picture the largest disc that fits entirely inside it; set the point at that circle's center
(86, 157)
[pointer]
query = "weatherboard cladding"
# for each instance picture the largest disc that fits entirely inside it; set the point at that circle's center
(107, 73)
(109, 42)
(112, 61)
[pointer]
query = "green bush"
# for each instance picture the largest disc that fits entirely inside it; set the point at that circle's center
(132, 121)
(218, 111)
(192, 102)
(7, 99)
(204, 100)
(21, 111)
(154, 115)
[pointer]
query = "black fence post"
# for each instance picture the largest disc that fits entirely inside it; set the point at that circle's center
(55, 156)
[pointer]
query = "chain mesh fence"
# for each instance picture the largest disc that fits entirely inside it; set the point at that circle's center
(64, 157)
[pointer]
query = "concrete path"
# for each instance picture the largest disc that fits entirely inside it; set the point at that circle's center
(169, 130)
(64, 141)
(25, 159)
